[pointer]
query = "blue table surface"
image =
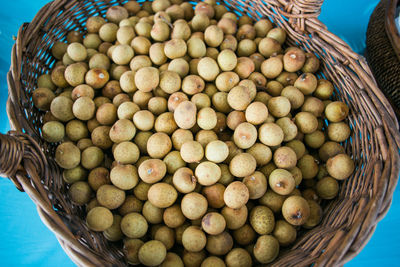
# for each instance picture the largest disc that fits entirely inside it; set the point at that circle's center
(25, 241)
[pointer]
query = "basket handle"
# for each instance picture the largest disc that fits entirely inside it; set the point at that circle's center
(299, 10)
(12, 150)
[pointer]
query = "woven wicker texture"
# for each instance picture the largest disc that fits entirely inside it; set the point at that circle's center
(348, 221)
(382, 54)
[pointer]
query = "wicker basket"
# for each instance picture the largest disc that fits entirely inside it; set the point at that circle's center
(348, 221)
(383, 50)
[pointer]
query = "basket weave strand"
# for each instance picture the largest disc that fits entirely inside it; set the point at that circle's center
(348, 221)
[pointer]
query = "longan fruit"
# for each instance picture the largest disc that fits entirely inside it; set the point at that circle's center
(162, 195)
(229, 41)
(110, 196)
(174, 161)
(175, 99)
(201, 100)
(157, 55)
(308, 166)
(225, 81)
(99, 219)
(61, 108)
(338, 131)
(194, 239)
(272, 67)
(204, 8)
(340, 166)
(179, 66)
(53, 131)
(77, 52)
(213, 223)
(270, 134)
(192, 151)
(206, 118)
(295, 210)
(131, 204)
(124, 177)
(111, 89)
(170, 82)
(216, 151)
(68, 156)
(285, 158)
(336, 111)
(184, 180)
(306, 122)
(285, 233)
(158, 145)
(75, 74)
(315, 140)
(244, 67)
(122, 130)
(76, 130)
(256, 184)
(245, 135)
(294, 95)
(114, 233)
(131, 249)
(194, 205)
(101, 137)
(152, 253)
(315, 215)
(294, 59)
(143, 120)
(196, 48)
(306, 83)
(282, 181)
(327, 188)
(208, 68)
(173, 216)
(239, 97)
(213, 36)
(329, 150)
(269, 46)
(92, 157)
(256, 113)
(83, 108)
(261, 153)
(152, 170)
(185, 114)
(227, 60)
(152, 214)
(314, 106)
(279, 106)
(311, 64)
(97, 78)
(181, 136)
(288, 127)
(219, 244)
(324, 89)
(80, 192)
(147, 79)
(213, 261)
(214, 195)
(126, 153)
(172, 260)
(235, 118)
(242, 165)
(236, 195)
(116, 14)
(82, 90)
(207, 173)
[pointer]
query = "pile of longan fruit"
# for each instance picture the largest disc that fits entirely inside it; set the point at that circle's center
(193, 136)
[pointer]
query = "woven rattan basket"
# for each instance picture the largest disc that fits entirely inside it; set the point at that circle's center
(348, 221)
(383, 50)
